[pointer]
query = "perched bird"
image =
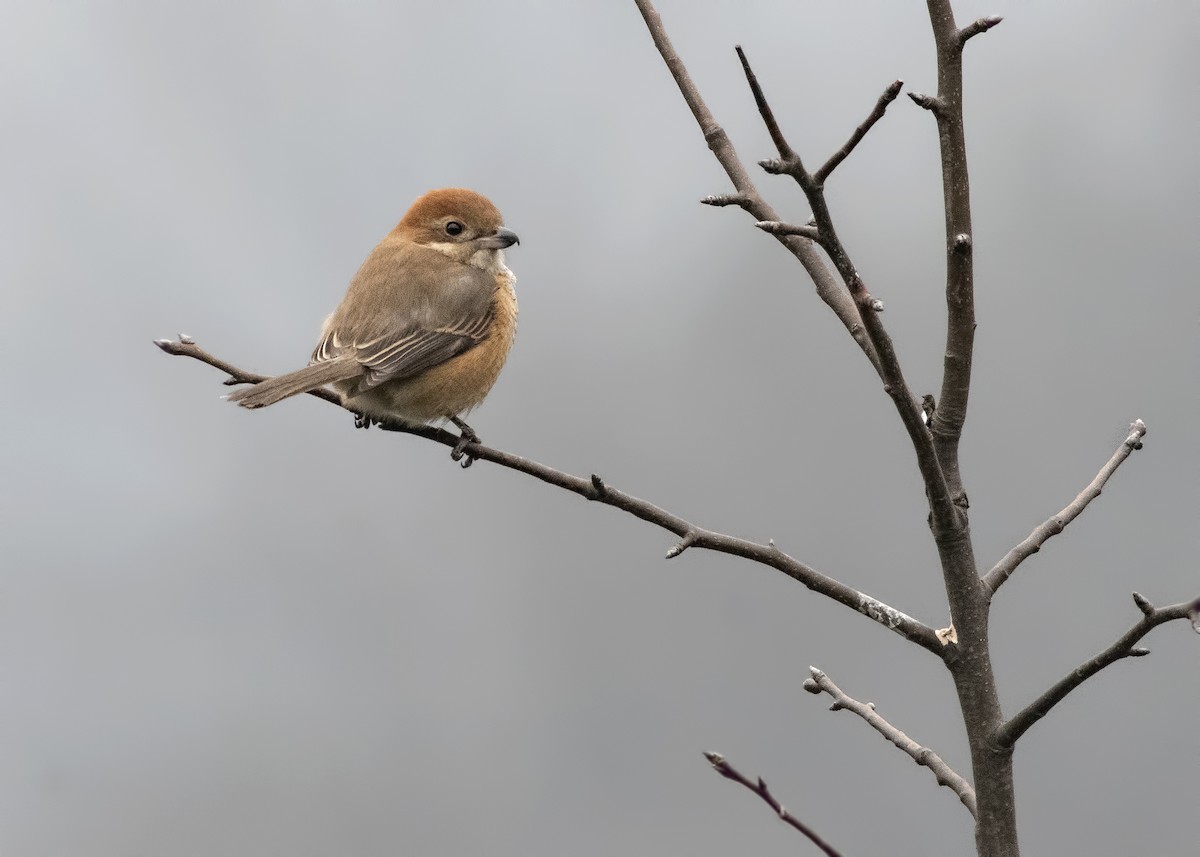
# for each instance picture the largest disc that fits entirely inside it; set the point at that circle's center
(426, 323)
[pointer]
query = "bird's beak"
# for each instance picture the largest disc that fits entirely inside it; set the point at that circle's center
(500, 239)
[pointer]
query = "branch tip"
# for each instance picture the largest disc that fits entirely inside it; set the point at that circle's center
(1143, 603)
(688, 540)
(719, 200)
(777, 227)
(925, 102)
(759, 787)
(775, 166)
(982, 25)
(1138, 652)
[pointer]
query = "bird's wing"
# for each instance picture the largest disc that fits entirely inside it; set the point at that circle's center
(406, 352)
(408, 309)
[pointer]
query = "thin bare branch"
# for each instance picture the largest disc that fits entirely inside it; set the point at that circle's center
(881, 106)
(1056, 524)
(787, 154)
(827, 287)
(1124, 647)
(729, 772)
(942, 772)
(594, 488)
(185, 346)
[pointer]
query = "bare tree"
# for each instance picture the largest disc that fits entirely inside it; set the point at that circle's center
(934, 427)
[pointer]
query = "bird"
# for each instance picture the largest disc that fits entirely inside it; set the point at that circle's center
(426, 324)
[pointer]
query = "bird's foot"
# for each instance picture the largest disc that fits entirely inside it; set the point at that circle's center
(467, 436)
(363, 421)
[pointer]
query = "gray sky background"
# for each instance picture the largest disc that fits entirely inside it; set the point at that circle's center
(225, 632)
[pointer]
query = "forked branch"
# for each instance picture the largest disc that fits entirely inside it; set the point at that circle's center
(1123, 648)
(941, 504)
(747, 196)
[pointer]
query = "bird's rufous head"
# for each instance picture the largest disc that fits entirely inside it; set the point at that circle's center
(460, 223)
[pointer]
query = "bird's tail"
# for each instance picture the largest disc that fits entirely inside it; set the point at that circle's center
(272, 390)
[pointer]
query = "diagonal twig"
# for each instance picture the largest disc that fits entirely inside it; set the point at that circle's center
(942, 772)
(729, 772)
(1052, 526)
(1124, 647)
(889, 95)
(597, 490)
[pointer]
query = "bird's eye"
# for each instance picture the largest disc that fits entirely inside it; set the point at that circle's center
(454, 228)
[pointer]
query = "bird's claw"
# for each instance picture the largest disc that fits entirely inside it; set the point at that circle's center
(363, 421)
(467, 436)
(459, 453)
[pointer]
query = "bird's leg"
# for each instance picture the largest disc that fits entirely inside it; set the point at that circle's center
(466, 436)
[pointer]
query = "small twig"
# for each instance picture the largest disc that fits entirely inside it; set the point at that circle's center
(720, 200)
(982, 25)
(942, 772)
(774, 227)
(786, 153)
(688, 540)
(881, 106)
(595, 489)
(729, 772)
(1143, 604)
(1051, 527)
(1124, 647)
(926, 102)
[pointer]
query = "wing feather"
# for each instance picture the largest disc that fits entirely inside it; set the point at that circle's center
(441, 323)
